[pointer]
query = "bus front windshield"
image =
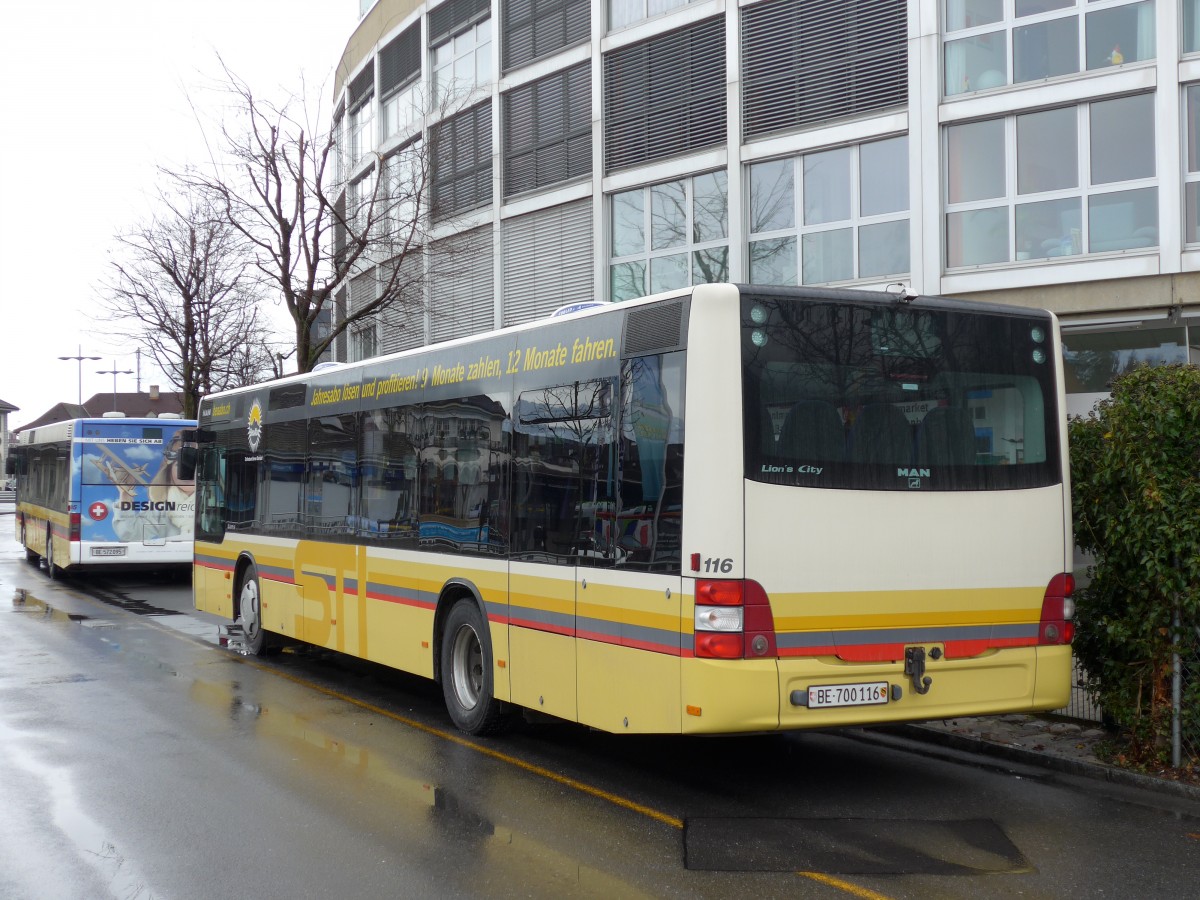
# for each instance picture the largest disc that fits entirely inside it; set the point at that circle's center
(894, 396)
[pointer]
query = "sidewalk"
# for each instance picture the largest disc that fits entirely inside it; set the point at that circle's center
(1050, 743)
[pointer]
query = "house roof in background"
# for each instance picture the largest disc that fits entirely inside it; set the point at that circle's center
(133, 404)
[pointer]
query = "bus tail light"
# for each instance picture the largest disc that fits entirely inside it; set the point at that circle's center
(74, 535)
(733, 620)
(1058, 611)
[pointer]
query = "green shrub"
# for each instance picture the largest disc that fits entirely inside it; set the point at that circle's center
(1136, 499)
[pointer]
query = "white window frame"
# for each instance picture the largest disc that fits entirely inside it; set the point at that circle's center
(798, 230)
(689, 247)
(468, 43)
(402, 109)
(362, 129)
(1010, 199)
(1009, 22)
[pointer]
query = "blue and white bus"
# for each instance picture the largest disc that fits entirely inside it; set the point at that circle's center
(104, 492)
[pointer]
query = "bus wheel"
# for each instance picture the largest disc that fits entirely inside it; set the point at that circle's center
(467, 671)
(31, 555)
(250, 612)
(51, 569)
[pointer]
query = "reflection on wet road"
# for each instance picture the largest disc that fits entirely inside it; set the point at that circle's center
(147, 761)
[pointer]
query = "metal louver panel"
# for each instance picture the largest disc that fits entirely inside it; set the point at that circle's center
(462, 295)
(548, 131)
(363, 84)
(547, 261)
(403, 320)
(362, 291)
(400, 60)
(655, 329)
(665, 96)
(808, 61)
(537, 28)
(452, 16)
(462, 161)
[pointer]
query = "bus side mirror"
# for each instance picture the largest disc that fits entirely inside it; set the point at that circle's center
(10, 465)
(186, 466)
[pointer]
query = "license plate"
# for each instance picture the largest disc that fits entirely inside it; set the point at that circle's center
(108, 551)
(870, 693)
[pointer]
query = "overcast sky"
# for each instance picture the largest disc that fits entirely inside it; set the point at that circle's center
(94, 95)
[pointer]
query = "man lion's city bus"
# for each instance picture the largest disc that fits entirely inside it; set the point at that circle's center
(108, 491)
(726, 509)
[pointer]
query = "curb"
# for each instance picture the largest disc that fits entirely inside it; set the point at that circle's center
(1098, 771)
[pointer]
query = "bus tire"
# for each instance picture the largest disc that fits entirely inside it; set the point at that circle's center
(249, 612)
(466, 669)
(52, 570)
(31, 555)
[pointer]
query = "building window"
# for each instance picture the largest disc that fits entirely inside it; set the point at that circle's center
(362, 131)
(1191, 26)
(360, 203)
(402, 196)
(808, 61)
(339, 144)
(1191, 187)
(536, 28)
(665, 96)
(548, 131)
(669, 235)
(462, 161)
(362, 114)
(363, 341)
(626, 12)
(1081, 180)
(1041, 38)
(836, 215)
(399, 82)
(463, 62)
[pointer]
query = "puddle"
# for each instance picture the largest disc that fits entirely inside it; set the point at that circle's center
(25, 602)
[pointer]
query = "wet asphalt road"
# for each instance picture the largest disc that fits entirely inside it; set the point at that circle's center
(139, 760)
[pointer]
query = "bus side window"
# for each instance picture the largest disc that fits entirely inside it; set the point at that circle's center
(648, 518)
(562, 507)
(210, 501)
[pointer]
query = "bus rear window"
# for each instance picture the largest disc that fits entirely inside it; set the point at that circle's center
(897, 397)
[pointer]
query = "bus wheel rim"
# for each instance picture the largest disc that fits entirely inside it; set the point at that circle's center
(248, 604)
(467, 667)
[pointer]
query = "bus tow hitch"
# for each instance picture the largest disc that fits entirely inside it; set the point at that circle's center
(914, 667)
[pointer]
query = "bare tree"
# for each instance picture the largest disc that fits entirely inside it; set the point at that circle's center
(312, 230)
(178, 288)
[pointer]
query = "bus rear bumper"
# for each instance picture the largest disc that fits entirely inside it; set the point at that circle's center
(768, 695)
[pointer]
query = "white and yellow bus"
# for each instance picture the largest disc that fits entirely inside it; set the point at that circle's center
(725, 509)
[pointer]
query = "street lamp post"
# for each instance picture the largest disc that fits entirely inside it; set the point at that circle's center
(79, 358)
(114, 372)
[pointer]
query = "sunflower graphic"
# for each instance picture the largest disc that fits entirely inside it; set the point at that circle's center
(254, 426)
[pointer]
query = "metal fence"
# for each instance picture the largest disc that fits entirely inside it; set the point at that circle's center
(1081, 706)
(1185, 697)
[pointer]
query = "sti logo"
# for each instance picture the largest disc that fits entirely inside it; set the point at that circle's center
(98, 511)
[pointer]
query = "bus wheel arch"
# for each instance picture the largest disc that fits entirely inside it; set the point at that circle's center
(464, 662)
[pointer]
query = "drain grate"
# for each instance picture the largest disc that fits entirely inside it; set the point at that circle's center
(851, 846)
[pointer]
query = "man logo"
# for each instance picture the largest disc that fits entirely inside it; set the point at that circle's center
(254, 426)
(912, 473)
